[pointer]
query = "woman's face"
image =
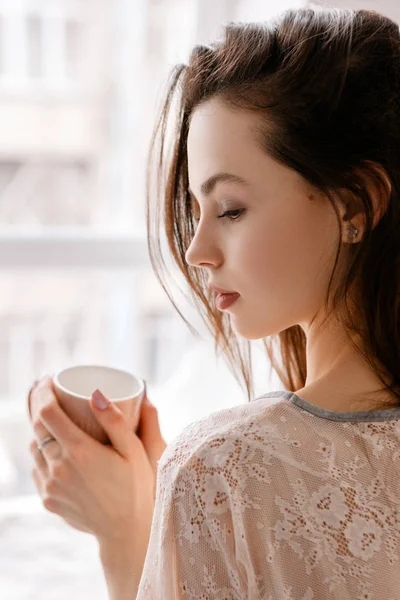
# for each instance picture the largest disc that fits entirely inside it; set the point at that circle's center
(279, 252)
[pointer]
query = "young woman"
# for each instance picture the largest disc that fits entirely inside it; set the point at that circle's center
(281, 190)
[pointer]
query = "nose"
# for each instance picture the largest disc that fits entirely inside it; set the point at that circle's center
(203, 250)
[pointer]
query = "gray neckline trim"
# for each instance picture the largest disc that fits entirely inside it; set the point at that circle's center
(366, 416)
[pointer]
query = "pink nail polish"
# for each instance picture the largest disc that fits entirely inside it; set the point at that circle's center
(99, 400)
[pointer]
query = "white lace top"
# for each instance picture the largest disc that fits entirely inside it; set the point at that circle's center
(283, 501)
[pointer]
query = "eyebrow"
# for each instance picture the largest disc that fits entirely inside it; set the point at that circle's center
(209, 184)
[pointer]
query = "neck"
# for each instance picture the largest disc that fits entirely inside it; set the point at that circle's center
(338, 378)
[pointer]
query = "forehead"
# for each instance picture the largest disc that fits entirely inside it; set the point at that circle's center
(214, 123)
(221, 139)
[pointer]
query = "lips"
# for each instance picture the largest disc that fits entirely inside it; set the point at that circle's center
(224, 301)
(219, 290)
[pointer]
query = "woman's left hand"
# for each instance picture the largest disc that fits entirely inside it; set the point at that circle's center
(103, 490)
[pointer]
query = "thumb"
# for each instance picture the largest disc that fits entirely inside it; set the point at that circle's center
(149, 433)
(113, 422)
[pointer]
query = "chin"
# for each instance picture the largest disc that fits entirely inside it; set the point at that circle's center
(253, 331)
(248, 333)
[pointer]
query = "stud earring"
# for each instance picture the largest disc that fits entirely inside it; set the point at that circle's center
(352, 233)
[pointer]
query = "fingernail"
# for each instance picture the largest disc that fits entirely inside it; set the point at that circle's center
(100, 401)
(36, 383)
(41, 379)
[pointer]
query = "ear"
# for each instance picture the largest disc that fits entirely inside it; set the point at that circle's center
(351, 207)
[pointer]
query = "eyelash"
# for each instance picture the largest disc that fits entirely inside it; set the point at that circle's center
(227, 215)
(230, 212)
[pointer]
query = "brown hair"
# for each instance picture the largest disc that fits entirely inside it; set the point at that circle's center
(327, 82)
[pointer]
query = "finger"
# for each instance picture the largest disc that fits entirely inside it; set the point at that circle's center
(51, 488)
(114, 424)
(33, 386)
(59, 425)
(42, 391)
(42, 394)
(39, 460)
(37, 479)
(50, 451)
(149, 433)
(40, 430)
(50, 501)
(47, 466)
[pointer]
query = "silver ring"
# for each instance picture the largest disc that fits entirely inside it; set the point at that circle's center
(44, 442)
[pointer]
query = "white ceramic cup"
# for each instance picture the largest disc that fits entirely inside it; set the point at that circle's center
(74, 387)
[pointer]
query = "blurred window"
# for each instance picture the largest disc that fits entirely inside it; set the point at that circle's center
(80, 86)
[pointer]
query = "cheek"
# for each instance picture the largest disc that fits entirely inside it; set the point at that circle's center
(283, 264)
(289, 252)
(267, 258)
(285, 272)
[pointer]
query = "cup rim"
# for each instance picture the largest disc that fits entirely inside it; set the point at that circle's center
(57, 383)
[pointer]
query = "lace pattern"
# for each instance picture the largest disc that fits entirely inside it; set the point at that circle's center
(270, 502)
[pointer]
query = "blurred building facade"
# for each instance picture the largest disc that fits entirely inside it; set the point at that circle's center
(80, 86)
(75, 80)
(54, 83)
